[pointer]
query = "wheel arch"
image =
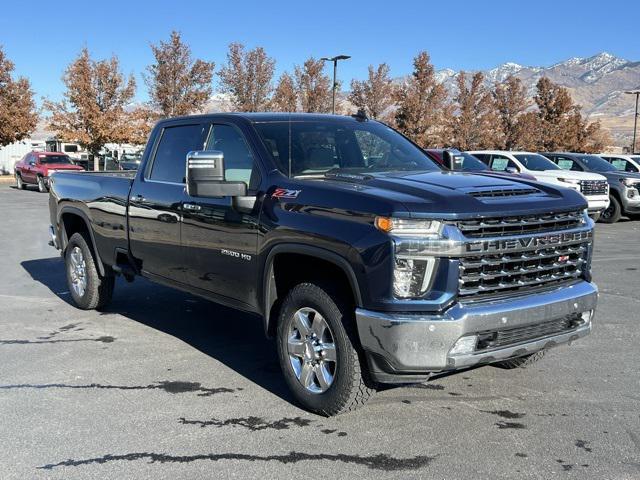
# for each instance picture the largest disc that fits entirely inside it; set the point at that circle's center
(72, 220)
(272, 295)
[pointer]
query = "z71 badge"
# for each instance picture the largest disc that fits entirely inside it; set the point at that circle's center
(285, 193)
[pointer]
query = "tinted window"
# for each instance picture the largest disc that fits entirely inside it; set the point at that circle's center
(53, 159)
(536, 162)
(316, 147)
(622, 164)
(500, 163)
(238, 161)
(566, 163)
(171, 154)
(484, 157)
(596, 164)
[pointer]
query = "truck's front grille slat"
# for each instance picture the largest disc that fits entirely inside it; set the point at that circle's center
(593, 187)
(512, 336)
(520, 225)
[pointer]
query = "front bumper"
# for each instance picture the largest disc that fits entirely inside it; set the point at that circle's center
(631, 200)
(597, 203)
(404, 346)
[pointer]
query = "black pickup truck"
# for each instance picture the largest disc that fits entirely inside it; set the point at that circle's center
(366, 261)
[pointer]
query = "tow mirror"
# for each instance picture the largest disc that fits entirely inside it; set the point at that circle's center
(452, 160)
(205, 176)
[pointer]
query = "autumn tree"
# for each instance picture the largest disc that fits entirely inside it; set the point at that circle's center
(511, 102)
(313, 86)
(248, 77)
(18, 116)
(178, 84)
(422, 105)
(475, 122)
(285, 97)
(375, 94)
(92, 111)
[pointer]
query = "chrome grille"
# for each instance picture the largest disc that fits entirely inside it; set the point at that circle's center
(518, 225)
(593, 187)
(513, 336)
(508, 272)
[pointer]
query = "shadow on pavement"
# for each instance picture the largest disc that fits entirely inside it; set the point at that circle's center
(231, 337)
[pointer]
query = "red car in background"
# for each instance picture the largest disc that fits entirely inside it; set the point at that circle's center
(453, 159)
(36, 168)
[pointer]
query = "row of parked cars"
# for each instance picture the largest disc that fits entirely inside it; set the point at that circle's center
(36, 168)
(610, 182)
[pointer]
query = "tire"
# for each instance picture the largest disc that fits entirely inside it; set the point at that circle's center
(80, 264)
(520, 362)
(596, 216)
(42, 187)
(343, 388)
(613, 213)
(20, 185)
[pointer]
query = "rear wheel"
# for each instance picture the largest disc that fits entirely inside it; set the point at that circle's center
(42, 187)
(317, 348)
(88, 288)
(613, 213)
(520, 362)
(20, 185)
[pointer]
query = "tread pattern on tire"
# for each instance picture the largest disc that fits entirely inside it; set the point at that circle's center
(359, 393)
(99, 288)
(521, 362)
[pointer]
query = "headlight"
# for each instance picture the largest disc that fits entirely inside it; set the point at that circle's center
(630, 182)
(572, 181)
(412, 273)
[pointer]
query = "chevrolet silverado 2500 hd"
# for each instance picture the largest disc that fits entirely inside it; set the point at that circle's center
(367, 262)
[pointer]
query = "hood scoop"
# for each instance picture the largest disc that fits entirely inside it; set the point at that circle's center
(503, 192)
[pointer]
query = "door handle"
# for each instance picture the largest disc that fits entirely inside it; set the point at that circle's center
(192, 207)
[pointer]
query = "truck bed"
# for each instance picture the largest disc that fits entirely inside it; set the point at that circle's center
(102, 198)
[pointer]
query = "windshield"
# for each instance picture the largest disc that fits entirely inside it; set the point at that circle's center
(535, 162)
(54, 159)
(318, 147)
(596, 164)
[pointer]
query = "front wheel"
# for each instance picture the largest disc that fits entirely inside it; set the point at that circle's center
(88, 288)
(42, 187)
(317, 351)
(613, 213)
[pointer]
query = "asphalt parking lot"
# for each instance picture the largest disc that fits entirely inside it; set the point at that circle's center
(166, 385)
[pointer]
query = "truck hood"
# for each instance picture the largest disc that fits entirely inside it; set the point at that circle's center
(61, 166)
(555, 174)
(446, 194)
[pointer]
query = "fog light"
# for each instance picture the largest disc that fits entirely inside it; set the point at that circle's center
(464, 345)
(586, 316)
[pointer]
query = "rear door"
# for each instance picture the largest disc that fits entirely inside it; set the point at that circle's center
(220, 235)
(155, 205)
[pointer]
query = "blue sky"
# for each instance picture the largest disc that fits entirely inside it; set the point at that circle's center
(43, 37)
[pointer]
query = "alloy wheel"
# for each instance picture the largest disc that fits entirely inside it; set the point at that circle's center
(78, 271)
(312, 351)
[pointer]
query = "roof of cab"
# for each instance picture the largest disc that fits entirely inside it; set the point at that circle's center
(264, 117)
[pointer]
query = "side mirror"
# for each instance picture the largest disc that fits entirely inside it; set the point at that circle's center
(205, 176)
(32, 163)
(511, 170)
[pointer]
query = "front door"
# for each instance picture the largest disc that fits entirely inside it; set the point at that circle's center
(219, 235)
(155, 206)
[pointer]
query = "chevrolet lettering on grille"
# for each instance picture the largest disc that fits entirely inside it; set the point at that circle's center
(512, 244)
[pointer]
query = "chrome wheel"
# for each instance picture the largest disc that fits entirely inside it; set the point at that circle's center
(19, 182)
(41, 185)
(78, 271)
(312, 350)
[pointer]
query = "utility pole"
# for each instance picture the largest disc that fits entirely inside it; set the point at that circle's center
(335, 83)
(635, 119)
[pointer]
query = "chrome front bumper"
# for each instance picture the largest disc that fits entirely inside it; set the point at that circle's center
(417, 343)
(54, 239)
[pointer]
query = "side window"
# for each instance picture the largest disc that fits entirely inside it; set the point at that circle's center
(483, 157)
(567, 164)
(238, 160)
(499, 163)
(169, 163)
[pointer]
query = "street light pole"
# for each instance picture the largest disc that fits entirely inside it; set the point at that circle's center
(335, 83)
(635, 119)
